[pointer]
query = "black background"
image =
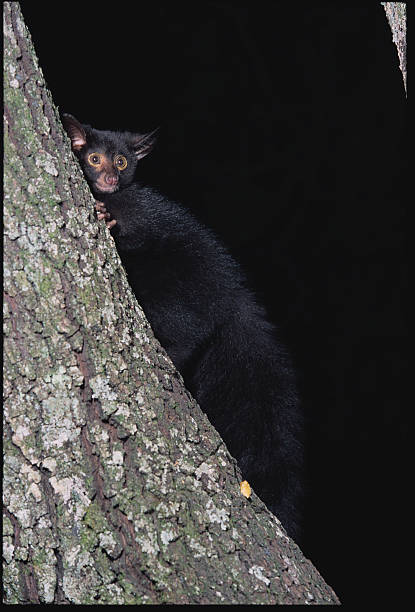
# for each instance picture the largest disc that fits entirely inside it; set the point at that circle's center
(283, 129)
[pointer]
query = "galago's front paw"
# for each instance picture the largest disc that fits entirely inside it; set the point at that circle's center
(103, 214)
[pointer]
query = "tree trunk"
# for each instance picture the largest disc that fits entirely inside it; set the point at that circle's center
(396, 16)
(117, 490)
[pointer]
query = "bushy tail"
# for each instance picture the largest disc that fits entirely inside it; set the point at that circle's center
(245, 383)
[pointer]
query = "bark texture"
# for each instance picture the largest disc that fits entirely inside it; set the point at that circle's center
(396, 15)
(117, 490)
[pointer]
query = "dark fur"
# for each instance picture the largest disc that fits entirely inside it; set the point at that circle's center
(195, 297)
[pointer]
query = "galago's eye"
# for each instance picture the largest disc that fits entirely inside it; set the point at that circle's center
(120, 162)
(94, 159)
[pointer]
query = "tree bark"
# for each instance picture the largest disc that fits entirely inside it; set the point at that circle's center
(117, 490)
(396, 16)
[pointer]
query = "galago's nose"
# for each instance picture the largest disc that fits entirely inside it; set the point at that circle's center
(110, 179)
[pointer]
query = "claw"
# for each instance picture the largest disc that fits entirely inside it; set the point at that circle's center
(99, 206)
(111, 224)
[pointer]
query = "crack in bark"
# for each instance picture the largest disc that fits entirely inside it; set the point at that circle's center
(59, 596)
(30, 584)
(25, 57)
(15, 524)
(11, 134)
(125, 528)
(25, 576)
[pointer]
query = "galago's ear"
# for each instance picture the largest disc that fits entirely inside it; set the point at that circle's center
(143, 143)
(75, 131)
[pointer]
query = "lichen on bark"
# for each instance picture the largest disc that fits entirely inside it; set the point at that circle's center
(396, 16)
(116, 487)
